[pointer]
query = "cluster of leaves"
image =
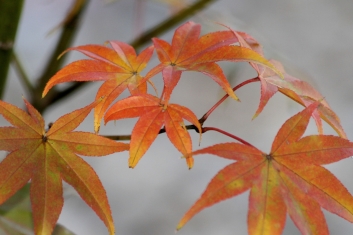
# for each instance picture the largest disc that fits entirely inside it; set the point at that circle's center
(289, 179)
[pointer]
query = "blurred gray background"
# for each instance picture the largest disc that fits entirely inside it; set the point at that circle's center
(312, 38)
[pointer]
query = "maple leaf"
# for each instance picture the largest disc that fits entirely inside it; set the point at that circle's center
(46, 158)
(189, 52)
(299, 91)
(119, 67)
(153, 115)
(288, 180)
(303, 93)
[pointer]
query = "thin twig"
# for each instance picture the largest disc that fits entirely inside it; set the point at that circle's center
(22, 74)
(161, 131)
(205, 129)
(208, 113)
(68, 33)
(169, 23)
(188, 127)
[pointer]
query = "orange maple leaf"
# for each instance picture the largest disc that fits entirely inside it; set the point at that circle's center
(288, 180)
(153, 115)
(119, 67)
(189, 52)
(47, 157)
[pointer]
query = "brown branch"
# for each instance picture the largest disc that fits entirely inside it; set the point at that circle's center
(70, 26)
(171, 22)
(10, 12)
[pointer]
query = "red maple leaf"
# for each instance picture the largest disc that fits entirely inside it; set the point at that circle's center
(299, 91)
